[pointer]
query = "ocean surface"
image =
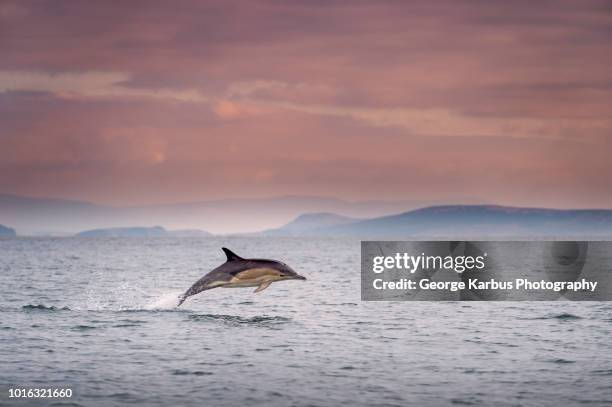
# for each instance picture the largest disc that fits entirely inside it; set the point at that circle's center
(98, 316)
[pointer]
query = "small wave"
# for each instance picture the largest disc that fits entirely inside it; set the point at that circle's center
(462, 402)
(181, 372)
(126, 323)
(83, 327)
(238, 320)
(342, 304)
(563, 317)
(44, 308)
(561, 361)
(566, 317)
(153, 311)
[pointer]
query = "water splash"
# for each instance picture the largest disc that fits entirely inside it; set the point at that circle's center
(165, 301)
(127, 297)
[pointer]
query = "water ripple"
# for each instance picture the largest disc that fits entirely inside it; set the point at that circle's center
(41, 307)
(262, 320)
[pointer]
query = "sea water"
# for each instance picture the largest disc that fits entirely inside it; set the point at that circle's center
(98, 316)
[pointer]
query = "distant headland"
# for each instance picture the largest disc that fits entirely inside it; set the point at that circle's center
(141, 231)
(5, 231)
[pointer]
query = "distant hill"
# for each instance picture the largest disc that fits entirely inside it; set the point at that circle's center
(5, 231)
(190, 233)
(310, 223)
(480, 220)
(141, 231)
(125, 232)
(41, 216)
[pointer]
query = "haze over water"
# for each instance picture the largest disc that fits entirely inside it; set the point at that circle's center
(98, 316)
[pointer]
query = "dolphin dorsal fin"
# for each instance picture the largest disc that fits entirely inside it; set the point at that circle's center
(231, 256)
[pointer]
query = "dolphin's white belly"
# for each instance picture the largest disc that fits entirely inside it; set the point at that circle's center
(249, 281)
(241, 284)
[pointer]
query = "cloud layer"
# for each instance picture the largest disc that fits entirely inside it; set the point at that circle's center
(146, 102)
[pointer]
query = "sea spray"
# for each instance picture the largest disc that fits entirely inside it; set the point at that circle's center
(164, 301)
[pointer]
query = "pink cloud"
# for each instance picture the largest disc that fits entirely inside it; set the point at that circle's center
(502, 100)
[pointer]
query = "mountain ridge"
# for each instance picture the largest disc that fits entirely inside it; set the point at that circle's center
(473, 220)
(36, 216)
(308, 222)
(486, 220)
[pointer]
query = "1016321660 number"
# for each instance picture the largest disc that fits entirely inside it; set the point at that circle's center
(35, 393)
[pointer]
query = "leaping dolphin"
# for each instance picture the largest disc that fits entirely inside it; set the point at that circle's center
(239, 272)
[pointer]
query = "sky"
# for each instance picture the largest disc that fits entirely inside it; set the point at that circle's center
(150, 102)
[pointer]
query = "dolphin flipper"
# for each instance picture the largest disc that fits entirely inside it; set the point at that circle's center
(263, 286)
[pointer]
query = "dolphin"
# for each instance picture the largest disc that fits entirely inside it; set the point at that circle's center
(240, 272)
